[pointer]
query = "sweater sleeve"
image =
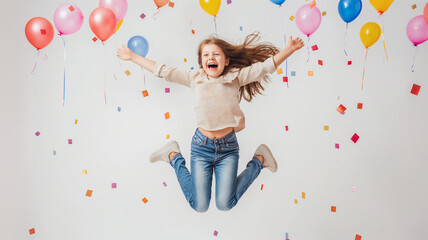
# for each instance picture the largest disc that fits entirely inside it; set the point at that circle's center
(173, 74)
(256, 71)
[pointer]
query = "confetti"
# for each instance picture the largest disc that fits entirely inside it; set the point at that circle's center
(54, 152)
(413, 6)
(164, 184)
(333, 208)
(215, 232)
(359, 106)
(291, 18)
(415, 89)
(113, 185)
(336, 145)
(303, 195)
(167, 115)
(70, 141)
(185, 60)
(353, 188)
(84, 171)
(75, 121)
(167, 90)
(310, 73)
(145, 93)
(43, 31)
(170, 4)
(193, 31)
(285, 79)
(94, 39)
(89, 193)
(355, 138)
(279, 70)
(293, 73)
(240, 28)
(295, 201)
(341, 109)
(357, 237)
(145, 200)
(326, 128)
(191, 68)
(119, 109)
(286, 128)
(313, 4)
(314, 47)
(261, 187)
(286, 235)
(324, 13)
(37, 133)
(167, 136)
(71, 8)
(142, 16)
(32, 231)
(127, 72)
(320, 62)
(349, 62)
(229, 1)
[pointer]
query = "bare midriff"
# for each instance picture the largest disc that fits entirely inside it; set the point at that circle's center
(216, 134)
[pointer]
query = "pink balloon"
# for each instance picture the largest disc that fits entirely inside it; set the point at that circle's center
(68, 19)
(119, 7)
(102, 22)
(39, 32)
(308, 19)
(417, 30)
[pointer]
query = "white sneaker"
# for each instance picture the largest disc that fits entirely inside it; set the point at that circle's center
(269, 160)
(163, 153)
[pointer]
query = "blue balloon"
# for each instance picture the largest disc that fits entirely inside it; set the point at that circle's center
(278, 2)
(349, 9)
(139, 45)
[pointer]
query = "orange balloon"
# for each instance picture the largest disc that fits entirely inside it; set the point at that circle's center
(39, 32)
(161, 3)
(102, 22)
(426, 12)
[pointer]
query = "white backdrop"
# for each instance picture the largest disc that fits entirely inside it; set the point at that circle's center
(387, 166)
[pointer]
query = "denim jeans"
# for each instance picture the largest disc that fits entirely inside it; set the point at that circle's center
(220, 156)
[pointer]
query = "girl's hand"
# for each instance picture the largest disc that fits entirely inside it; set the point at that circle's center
(125, 53)
(295, 44)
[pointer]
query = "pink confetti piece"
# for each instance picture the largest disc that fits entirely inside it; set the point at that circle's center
(353, 188)
(355, 138)
(314, 47)
(37, 133)
(336, 145)
(70, 141)
(113, 185)
(164, 184)
(286, 128)
(167, 90)
(142, 16)
(229, 1)
(215, 233)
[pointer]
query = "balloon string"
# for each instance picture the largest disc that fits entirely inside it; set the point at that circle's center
(307, 47)
(35, 64)
(383, 39)
(105, 95)
(364, 71)
(63, 88)
(414, 56)
(156, 14)
(344, 40)
(144, 75)
(285, 45)
(215, 23)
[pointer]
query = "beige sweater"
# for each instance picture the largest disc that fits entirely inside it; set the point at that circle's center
(217, 99)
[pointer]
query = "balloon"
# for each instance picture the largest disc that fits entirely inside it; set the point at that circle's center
(119, 7)
(426, 12)
(68, 19)
(118, 25)
(39, 32)
(381, 5)
(349, 9)
(161, 3)
(102, 22)
(278, 2)
(369, 33)
(210, 6)
(417, 30)
(139, 45)
(308, 19)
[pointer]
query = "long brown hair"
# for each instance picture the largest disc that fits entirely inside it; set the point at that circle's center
(243, 55)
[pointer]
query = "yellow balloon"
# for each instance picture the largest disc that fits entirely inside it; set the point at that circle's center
(210, 6)
(118, 25)
(369, 34)
(381, 5)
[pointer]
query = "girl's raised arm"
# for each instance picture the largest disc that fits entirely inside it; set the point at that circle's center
(292, 46)
(126, 54)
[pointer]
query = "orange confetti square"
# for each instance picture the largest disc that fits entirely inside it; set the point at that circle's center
(145, 93)
(32, 231)
(145, 200)
(89, 193)
(171, 4)
(324, 13)
(414, 6)
(326, 128)
(415, 89)
(75, 121)
(359, 106)
(310, 73)
(84, 171)
(167, 115)
(127, 72)
(279, 70)
(341, 109)
(313, 4)
(303, 195)
(193, 31)
(167, 136)
(357, 237)
(71, 8)
(94, 39)
(333, 208)
(291, 18)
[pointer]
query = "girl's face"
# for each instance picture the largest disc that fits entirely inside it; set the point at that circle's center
(213, 60)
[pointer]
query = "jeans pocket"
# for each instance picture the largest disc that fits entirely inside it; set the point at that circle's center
(197, 140)
(232, 142)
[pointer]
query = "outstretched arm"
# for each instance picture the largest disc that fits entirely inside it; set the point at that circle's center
(292, 46)
(126, 54)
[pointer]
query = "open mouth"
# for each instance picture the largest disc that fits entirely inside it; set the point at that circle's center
(212, 67)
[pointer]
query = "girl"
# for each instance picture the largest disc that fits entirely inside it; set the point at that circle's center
(227, 74)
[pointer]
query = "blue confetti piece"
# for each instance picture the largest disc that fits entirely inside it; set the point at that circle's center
(286, 235)
(293, 73)
(54, 153)
(118, 109)
(192, 68)
(240, 28)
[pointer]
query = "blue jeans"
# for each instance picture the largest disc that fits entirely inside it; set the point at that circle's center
(220, 156)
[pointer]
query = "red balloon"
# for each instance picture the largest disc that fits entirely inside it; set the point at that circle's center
(426, 12)
(102, 22)
(39, 32)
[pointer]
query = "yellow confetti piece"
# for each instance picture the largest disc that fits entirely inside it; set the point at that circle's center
(167, 136)
(303, 195)
(295, 201)
(326, 128)
(292, 18)
(75, 121)
(414, 6)
(185, 60)
(310, 73)
(279, 70)
(84, 171)
(127, 72)
(324, 13)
